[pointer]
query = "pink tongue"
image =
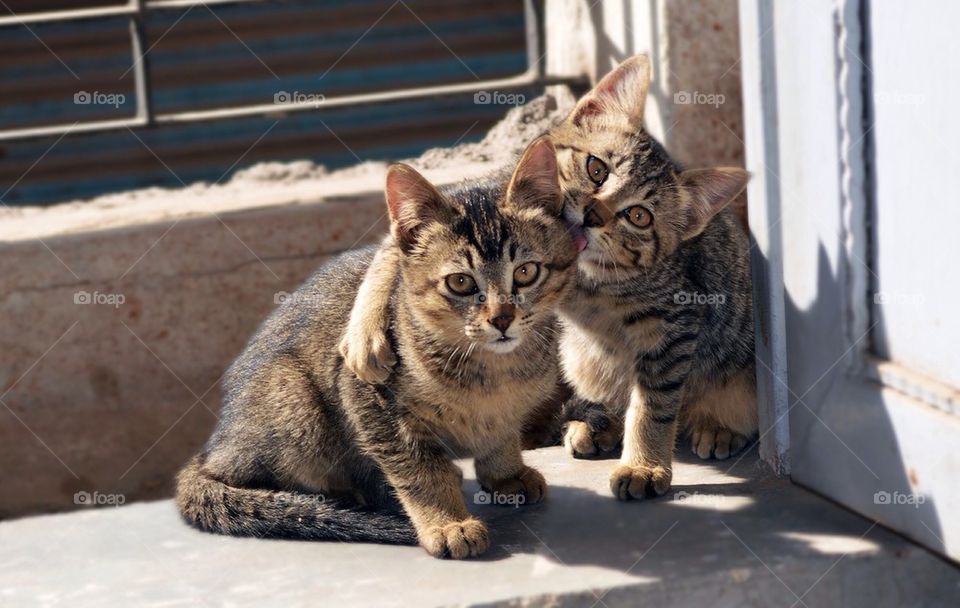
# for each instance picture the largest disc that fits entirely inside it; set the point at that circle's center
(579, 242)
(579, 238)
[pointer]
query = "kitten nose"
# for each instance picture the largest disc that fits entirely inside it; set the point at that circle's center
(592, 219)
(502, 321)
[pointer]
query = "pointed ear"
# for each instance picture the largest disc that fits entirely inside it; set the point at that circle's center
(709, 190)
(413, 204)
(622, 91)
(535, 181)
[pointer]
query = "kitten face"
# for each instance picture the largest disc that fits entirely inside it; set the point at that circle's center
(487, 267)
(632, 203)
(624, 192)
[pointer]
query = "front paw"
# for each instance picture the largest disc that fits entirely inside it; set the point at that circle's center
(368, 355)
(582, 441)
(458, 540)
(638, 482)
(527, 488)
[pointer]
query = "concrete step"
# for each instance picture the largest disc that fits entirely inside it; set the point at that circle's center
(726, 535)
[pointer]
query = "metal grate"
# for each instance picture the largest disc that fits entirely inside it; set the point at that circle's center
(145, 115)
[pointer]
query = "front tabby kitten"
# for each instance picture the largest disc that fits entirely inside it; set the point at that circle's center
(305, 450)
(658, 331)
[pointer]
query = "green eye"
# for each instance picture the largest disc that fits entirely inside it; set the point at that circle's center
(638, 215)
(526, 274)
(596, 170)
(461, 284)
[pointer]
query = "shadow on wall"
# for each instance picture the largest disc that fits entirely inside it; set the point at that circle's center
(842, 441)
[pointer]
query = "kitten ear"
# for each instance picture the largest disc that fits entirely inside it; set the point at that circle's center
(709, 190)
(413, 204)
(535, 181)
(622, 91)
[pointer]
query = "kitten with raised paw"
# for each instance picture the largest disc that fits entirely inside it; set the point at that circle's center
(304, 449)
(658, 333)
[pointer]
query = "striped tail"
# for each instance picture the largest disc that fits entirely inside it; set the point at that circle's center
(214, 506)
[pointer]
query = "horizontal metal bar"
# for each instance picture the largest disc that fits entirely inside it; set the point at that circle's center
(316, 103)
(96, 12)
(73, 128)
(100, 12)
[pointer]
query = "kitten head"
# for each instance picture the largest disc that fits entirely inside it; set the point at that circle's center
(634, 204)
(484, 266)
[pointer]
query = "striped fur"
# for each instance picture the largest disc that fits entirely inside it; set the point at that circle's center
(659, 333)
(304, 449)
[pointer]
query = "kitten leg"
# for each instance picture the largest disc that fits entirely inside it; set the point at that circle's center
(428, 485)
(501, 472)
(723, 418)
(650, 428)
(646, 465)
(591, 430)
(364, 346)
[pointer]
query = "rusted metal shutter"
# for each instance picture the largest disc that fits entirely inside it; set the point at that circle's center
(226, 55)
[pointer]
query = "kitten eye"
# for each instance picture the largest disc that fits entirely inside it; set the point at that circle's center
(526, 274)
(596, 170)
(461, 284)
(639, 216)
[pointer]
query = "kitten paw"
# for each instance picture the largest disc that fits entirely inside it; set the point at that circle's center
(458, 540)
(638, 482)
(582, 441)
(371, 358)
(529, 484)
(720, 443)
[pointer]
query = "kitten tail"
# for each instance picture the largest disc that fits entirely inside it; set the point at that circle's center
(214, 506)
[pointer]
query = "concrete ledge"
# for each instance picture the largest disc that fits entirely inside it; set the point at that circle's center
(737, 538)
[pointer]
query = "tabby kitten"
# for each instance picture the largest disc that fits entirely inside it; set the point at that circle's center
(659, 330)
(305, 450)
